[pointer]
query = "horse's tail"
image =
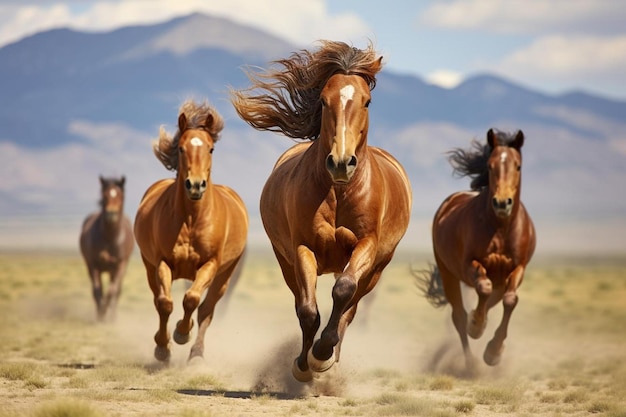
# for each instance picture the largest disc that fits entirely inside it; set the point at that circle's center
(429, 282)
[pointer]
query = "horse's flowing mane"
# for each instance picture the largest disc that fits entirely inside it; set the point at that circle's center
(166, 147)
(473, 162)
(285, 98)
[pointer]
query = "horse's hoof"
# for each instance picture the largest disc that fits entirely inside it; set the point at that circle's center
(180, 338)
(320, 365)
(300, 375)
(474, 329)
(492, 356)
(162, 353)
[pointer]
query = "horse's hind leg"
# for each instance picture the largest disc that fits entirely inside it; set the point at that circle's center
(495, 347)
(206, 309)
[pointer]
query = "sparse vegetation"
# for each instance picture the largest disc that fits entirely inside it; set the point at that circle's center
(564, 353)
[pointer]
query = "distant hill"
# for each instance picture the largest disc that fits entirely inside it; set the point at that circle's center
(75, 105)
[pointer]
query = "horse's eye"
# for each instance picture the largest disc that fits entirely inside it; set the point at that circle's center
(211, 150)
(367, 103)
(519, 167)
(323, 102)
(181, 150)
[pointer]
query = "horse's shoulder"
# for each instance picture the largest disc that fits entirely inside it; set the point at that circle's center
(294, 151)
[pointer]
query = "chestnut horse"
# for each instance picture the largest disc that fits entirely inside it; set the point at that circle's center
(483, 238)
(189, 228)
(332, 204)
(106, 243)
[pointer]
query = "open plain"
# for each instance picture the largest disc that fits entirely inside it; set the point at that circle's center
(565, 353)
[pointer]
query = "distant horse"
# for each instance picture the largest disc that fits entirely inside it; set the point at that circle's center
(189, 228)
(484, 238)
(106, 243)
(333, 204)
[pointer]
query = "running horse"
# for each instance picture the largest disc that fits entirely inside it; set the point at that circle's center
(332, 204)
(106, 243)
(484, 238)
(189, 228)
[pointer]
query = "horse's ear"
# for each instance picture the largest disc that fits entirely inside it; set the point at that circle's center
(491, 138)
(209, 120)
(182, 122)
(122, 181)
(518, 142)
(101, 180)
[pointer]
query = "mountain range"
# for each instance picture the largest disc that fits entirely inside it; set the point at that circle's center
(75, 105)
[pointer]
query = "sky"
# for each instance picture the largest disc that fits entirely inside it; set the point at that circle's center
(553, 46)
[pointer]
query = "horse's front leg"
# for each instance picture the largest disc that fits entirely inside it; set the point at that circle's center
(161, 285)
(302, 280)
(322, 355)
(477, 319)
(115, 289)
(96, 290)
(493, 351)
(191, 300)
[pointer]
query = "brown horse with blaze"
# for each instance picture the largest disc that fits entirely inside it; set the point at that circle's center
(483, 238)
(190, 228)
(106, 243)
(332, 204)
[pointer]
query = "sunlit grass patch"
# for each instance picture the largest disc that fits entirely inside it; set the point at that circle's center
(67, 408)
(18, 371)
(509, 396)
(202, 382)
(394, 404)
(442, 383)
(464, 406)
(576, 396)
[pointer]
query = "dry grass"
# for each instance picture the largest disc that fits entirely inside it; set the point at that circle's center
(564, 355)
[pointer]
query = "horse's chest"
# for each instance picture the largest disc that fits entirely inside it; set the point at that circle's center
(498, 267)
(187, 254)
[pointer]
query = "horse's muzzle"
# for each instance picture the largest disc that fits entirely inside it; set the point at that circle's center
(502, 207)
(195, 189)
(341, 171)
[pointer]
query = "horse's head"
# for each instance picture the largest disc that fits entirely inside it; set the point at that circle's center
(195, 149)
(504, 164)
(345, 121)
(112, 197)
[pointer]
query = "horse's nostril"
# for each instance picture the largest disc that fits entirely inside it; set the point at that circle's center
(330, 162)
(494, 202)
(352, 161)
(203, 184)
(509, 201)
(188, 184)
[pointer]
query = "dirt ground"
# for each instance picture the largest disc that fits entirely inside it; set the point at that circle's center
(565, 354)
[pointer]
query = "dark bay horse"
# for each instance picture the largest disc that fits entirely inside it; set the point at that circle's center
(483, 238)
(190, 228)
(106, 243)
(332, 204)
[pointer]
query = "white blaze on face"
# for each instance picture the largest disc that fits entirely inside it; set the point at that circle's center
(345, 94)
(195, 141)
(112, 193)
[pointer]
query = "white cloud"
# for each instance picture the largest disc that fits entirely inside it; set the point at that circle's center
(445, 78)
(556, 59)
(527, 16)
(304, 24)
